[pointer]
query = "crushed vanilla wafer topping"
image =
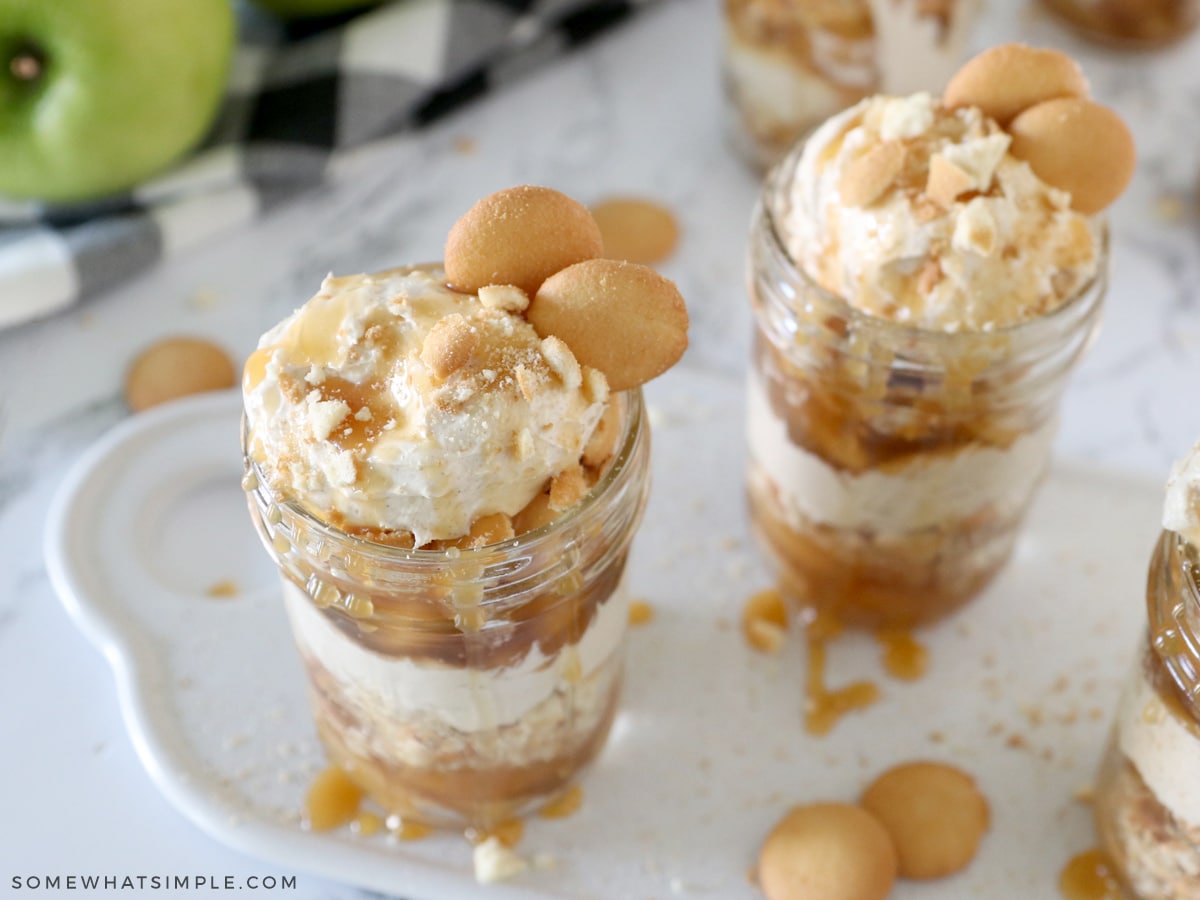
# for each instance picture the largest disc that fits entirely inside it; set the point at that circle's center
(921, 214)
(765, 621)
(1181, 510)
(392, 402)
(423, 405)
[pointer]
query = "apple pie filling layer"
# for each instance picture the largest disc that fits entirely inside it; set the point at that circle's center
(472, 785)
(872, 580)
(1148, 792)
(1157, 853)
(889, 494)
(425, 739)
(1148, 22)
(484, 683)
(787, 69)
(887, 498)
(432, 725)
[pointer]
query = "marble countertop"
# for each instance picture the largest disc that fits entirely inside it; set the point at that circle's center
(639, 112)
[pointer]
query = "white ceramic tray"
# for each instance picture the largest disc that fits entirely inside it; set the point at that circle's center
(708, 750)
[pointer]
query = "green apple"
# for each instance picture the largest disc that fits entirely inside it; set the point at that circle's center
(97, 95)
(303, 9)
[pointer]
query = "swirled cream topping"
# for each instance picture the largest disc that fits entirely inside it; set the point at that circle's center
(1181, 509)
(389, 402)
(920, 214)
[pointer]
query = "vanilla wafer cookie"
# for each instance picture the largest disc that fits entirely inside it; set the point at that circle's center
(621, 318)
(519, 236)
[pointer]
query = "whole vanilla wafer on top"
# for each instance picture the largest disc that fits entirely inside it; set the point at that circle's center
(1010, 78)
(1078, 146)
(620, 318)
(519, 236)
(1041, 98)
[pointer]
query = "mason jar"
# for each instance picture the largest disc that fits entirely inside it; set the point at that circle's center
(890, 466)
(1132, 23)
(463, 687)
(1147, 799)
(789, 65)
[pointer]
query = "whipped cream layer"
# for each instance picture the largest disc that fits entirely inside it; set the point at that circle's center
(779, 94)
(397, 688)
(918, 50)
(932, 490)
(1005, 249)
(908, 49)
(1181, 509)
(1164, 750)
(347, 412)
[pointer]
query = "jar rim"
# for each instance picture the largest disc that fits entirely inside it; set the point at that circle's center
(1189, 571)
(766, 211)
(633, 435)
(1173, 563)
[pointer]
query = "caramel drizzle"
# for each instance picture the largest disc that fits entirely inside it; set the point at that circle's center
(565, 805)
(510, 832)
(824, 708)
(904, 657)
(333, 800)
(1089, 876)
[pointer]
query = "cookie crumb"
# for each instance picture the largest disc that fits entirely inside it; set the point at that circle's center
(177, 367)
(225, 588)
(495, 862)
(640, 612)
(636, 229)
(765, 621)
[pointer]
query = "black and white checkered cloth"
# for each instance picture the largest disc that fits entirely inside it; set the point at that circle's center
(297, 97)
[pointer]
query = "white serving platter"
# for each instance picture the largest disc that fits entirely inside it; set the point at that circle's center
(708, 750)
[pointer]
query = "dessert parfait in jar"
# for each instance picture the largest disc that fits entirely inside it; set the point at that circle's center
(790, 64)
(924, 273)
(448, 464)
(1130, 23)
(1148, 791)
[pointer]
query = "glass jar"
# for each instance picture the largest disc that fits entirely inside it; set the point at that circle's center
(1148, 790)
(790, 64)
(890, 466)
(1131, 23)
(463, 687)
